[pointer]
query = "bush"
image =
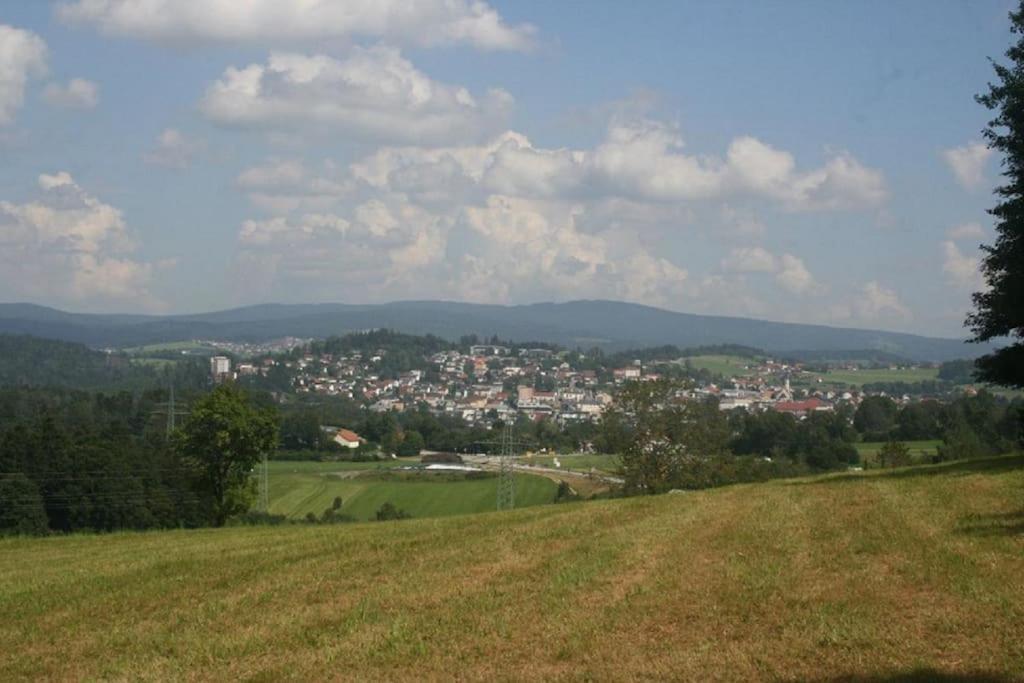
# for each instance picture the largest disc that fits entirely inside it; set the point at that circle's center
(256, 518)
(894, 454)
(388, 512)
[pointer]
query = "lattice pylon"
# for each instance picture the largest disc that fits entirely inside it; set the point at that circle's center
(506, 471)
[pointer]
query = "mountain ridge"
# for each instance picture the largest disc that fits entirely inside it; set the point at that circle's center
(613, 325)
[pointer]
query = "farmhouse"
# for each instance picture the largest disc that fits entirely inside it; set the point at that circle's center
(347, 438)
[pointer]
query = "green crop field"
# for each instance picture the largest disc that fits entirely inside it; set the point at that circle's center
(728, 366)
(914, 574)
(296, 489)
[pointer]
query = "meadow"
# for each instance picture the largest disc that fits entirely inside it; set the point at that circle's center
(920, 451)
(873, 375)
(576, 462)
(727, 366)
(914, 574)
(298, 488)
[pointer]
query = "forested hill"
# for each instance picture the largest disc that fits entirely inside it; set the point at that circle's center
(611, 325)
(32, 361)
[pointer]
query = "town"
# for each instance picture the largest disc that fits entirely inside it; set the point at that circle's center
(481, 383)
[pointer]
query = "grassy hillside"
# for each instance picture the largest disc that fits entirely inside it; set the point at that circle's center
(865, 577)
(301, 487)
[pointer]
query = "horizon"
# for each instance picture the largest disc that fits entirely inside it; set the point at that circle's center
(471, 152)
(965, 339)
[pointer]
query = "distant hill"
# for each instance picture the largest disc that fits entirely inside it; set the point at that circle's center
(610, 325)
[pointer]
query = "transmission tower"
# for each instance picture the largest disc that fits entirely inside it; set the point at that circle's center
(506, 467)
(171, 410)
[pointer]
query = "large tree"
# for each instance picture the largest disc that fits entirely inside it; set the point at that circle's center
(663, 435)
(999, 310)
(225, 436)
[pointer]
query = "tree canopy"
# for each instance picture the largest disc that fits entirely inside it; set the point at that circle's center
(225, 436)
(999, 309)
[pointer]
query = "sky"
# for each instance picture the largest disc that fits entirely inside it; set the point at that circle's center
(816, 162)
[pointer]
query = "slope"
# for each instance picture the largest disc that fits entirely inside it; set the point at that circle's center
(912, 575)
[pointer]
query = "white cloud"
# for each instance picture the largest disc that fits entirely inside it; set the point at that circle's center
(78, 93)
(877, 302)
(644, 161)
(790, 272)
(22, 56)
(793, 275)
(173, 149)
(68, 246)
(749, 260)
(284, 185)
(508, 221)
(423, 23)
(968, 163)
(972, 231)
(961, 269)
(373, 92)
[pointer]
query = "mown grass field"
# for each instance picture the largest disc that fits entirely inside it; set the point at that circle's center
(297, 488)
(870, 376)
(916, 574)
(582, 462)
(189, 346)
(727, 366)
(921, 451)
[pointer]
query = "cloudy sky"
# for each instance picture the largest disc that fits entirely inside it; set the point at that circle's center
(800, 161)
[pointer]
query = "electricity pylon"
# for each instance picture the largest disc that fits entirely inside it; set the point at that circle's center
(171, 410)
(506, 470)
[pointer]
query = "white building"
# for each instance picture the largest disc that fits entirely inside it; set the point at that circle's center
(220, 367)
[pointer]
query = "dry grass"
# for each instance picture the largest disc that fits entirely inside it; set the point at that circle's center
(906, 575)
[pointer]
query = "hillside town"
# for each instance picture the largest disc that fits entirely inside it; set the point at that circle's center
(481, 383)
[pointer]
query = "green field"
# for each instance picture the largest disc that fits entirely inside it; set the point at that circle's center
(912, 575)
(186, 346)
(921, 451)
(870, 376)
(727, 366)
(297, 488)
(576, 462)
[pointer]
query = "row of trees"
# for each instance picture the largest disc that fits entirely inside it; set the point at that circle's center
(667, 442)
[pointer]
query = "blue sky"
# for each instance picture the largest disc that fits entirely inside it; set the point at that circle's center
(801, 161)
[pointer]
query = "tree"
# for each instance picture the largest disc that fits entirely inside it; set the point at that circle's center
(894, 454)
(21, 506)
(875, 417)
(919, 420)
(388, 512)
(411, 445)
(225, 435)
(669, 434)
(999, 310)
